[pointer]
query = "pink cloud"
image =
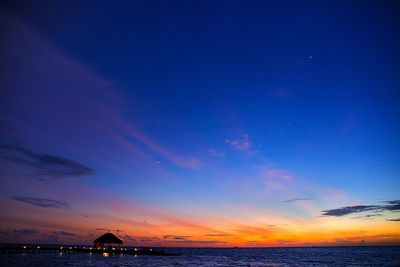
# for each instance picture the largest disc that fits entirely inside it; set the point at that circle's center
(278, 173)
(243, 143)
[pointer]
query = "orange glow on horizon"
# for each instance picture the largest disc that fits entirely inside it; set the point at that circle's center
(177, 232)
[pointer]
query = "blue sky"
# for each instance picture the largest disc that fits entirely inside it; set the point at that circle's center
(232, 110)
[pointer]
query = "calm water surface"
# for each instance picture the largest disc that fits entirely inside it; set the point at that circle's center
(323, 256)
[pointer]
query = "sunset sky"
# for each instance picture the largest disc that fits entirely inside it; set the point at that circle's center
(200, 123)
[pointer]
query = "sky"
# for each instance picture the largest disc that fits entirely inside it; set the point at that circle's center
(200, 123)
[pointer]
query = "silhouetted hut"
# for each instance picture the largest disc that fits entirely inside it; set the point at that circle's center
(107, 240)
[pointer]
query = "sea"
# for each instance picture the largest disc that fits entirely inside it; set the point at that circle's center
(307, 256)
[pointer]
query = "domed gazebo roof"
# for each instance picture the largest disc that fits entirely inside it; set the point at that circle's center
(108, 238)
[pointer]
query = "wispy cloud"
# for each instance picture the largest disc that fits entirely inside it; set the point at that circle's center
(3, 233)
(178, 240)
(130, 238)
(217, 235)
(368, 216)
(96, 100)
(150, 239)
(176, 237)
(201, 242)
(275, 180)
(46, 164)
(284, 241)
(242, 143)
(26, 231)
(296, 200)
(43, 202)
(65, 233)
(277, 173)
(394, 220)
(350, 210)
(189, 162)
(215, 153)
(393, 205)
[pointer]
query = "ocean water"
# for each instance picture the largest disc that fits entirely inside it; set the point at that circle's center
(311, 256)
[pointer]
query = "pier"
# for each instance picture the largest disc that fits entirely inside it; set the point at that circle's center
(85, 249)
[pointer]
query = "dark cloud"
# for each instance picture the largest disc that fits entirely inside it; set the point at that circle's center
(349, 210)
(50, 238)
(129, 238)
(26, 231)
(296, 199)
(217, 235)
(150, 239)
(200, 242)
(183, 239)
(176, 237)
(65, 233)
(394, 220)
(47, 165)
(393, 205)
(43, 202)
(3, 233)
(368, 216)
(56, 237)
(392, 202)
